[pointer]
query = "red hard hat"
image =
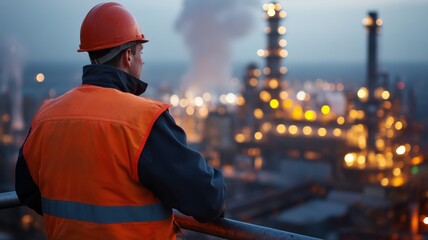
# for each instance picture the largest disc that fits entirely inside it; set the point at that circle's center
(108, 25)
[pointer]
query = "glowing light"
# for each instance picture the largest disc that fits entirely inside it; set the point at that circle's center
(283, 70)
(361, 141)
(240, 101)
(184, 102)
(337, 132)
(258, 136)
(253, 82)
(310, 115)
(360, 114)
(283, 14)
(425, 221)
(293, 129)
(203, 112)
(26, 221)
(297, 113)
(417, 160)
(228, 170)
(384, 182)
(174, 100)
(258, 113)
(273, 83)
(277, 7)
(307, 130)
(222, 99)
(240, 138)
(258, 163)
(380, 144)
(325, 109)
(265, 6)
(363, 94)
(353, 114)
(361, 159)
(390, 133)
(283, 53)
(401, 150)
(271, 12)
(398, 125)
(40, 77)
(387, 104)
(368, 21)
(350, 158)
(260, 52)
(322, 132)
(385, 95)
(190, 110)
(266, 70)
(265, 96)
(274, 103)
(282, 30)
(283, 95)
(231, 98)
(199, 101)
(396, 171)
(282, 42)
(379, 22)
(340, 120)
(257, 72)
(389, 121)
(301, 95)
(287, 103)
(267, 126)
(281, 128)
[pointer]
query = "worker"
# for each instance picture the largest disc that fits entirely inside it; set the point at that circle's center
(101, 162)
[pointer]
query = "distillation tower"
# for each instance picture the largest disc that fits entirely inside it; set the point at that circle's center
(274, 53)
(373, 24)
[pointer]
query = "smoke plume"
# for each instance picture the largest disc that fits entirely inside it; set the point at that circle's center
(209, 28)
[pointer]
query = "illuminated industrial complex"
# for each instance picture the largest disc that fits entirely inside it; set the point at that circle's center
(367, 137)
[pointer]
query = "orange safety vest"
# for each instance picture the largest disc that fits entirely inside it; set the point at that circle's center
(83, 153)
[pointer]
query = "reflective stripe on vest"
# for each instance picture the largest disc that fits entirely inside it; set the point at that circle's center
(104, 214)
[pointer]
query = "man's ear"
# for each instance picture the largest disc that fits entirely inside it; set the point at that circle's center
(126, 58)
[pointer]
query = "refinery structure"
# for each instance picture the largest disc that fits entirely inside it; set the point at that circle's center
(367, 137)
(363, 147)
(369, 127)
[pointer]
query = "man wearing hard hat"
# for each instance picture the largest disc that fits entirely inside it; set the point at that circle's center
(100, 162)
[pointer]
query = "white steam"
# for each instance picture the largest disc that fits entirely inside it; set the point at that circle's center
(209, 27)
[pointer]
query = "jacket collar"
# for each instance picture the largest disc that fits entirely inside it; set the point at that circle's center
(111, 77)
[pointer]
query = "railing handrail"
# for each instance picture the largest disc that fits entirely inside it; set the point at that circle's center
(223, 228)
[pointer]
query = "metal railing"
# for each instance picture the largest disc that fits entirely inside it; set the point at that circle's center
(223, 228)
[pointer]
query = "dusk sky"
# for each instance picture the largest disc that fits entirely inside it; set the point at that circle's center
(317, 30)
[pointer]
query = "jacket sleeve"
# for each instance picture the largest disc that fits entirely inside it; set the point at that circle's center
(26, 189)
(178, 175)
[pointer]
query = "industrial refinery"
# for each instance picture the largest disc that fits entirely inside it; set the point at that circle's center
(316, 157)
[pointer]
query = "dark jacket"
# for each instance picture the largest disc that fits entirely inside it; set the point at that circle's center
(176, 174)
